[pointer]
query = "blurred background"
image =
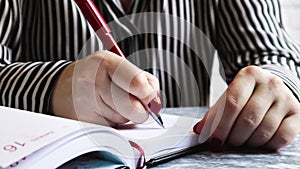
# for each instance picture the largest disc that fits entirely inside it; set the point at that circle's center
(290, 16)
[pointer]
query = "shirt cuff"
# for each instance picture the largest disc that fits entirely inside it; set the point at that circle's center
(289, 78)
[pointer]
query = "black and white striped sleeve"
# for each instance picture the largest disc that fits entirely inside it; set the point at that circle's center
(251, 33)
(23, 85)
(7, 20)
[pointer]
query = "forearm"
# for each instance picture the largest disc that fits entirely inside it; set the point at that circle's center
(252, 35)
(29, 85)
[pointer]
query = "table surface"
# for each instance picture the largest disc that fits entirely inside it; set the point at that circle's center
(286, 158)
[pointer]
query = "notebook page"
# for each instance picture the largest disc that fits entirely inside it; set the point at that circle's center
(177, 134)
(23, 132)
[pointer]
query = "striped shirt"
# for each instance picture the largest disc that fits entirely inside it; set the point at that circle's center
(174, 40)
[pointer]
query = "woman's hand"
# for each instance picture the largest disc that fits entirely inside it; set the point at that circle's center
(104, 88)
(256, 110)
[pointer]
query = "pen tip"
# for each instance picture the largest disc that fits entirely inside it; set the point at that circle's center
(157, 118)
(161, 122)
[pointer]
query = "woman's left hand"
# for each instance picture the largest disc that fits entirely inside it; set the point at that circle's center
(256, 110)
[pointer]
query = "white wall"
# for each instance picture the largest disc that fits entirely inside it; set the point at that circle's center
(290, 16)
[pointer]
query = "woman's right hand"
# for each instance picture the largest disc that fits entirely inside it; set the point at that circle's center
(105, 89)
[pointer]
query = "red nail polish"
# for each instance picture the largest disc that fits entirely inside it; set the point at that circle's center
(149, 105)
(195, 128)
(198, 127)
(215, 144)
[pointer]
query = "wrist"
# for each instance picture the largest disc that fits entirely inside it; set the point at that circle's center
(61, 100)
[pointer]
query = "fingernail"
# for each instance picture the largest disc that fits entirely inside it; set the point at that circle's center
(215, 144)
(198, 127)
(155, 104)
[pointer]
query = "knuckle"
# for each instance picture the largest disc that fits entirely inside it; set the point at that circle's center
(250, 122)
(98, 59)
(264, 135)
(98, 55)
(274, 82)
(139, 83)
(105, 61)
(284, 140)
(232, 103)
(101, 53)
(250, 70)
(292, 100)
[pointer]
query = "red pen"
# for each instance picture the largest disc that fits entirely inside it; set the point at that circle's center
(103, 31)
(99, 25)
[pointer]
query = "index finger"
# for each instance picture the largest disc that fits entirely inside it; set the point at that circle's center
(135, 81)
(235, 98)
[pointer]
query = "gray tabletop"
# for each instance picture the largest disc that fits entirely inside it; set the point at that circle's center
(286, 158)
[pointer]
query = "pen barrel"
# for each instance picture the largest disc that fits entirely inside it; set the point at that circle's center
(91, 13)
(109, 43)
(99, 25)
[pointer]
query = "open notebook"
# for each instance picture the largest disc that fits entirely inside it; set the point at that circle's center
(31, 140)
